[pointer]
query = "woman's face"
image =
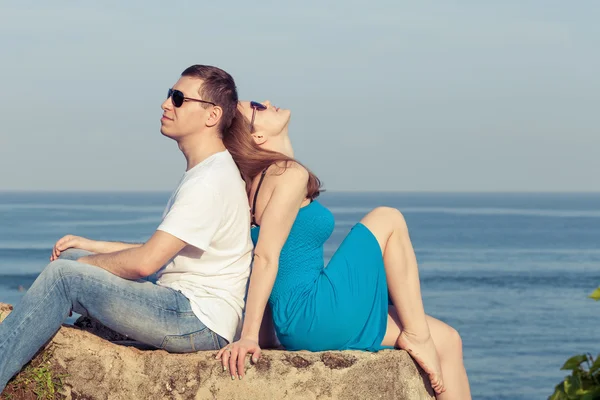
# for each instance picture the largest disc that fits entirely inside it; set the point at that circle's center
(268, 122)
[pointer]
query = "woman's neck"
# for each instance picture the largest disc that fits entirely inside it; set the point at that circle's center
(281, 144)
(286, 146)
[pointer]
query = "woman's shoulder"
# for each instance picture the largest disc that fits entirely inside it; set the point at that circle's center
(287, 171)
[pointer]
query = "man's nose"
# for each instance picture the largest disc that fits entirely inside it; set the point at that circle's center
(167, 104)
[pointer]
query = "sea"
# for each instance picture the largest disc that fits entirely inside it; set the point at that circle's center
(512, 272)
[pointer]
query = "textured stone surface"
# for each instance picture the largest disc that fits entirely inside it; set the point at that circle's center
(100, 369)
(5, 309)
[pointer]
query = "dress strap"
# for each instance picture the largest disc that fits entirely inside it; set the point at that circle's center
(262, 177)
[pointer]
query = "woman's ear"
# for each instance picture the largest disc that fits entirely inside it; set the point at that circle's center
(259, 139)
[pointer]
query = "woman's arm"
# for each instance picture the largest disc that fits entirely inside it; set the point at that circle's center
(276, 222)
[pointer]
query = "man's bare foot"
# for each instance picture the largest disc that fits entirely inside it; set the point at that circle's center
(425, 354)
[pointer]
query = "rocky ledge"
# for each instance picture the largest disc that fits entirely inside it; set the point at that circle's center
(89, 362)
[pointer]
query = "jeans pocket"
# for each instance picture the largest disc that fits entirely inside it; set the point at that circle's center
(204, 339)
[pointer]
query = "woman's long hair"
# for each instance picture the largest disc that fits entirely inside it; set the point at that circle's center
(251, 159)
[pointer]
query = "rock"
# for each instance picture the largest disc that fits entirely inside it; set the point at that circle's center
(100, 369)
(5, 309)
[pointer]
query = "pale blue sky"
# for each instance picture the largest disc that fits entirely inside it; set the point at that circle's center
(385, 95)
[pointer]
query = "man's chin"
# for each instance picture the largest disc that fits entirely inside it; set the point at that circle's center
(166, 133)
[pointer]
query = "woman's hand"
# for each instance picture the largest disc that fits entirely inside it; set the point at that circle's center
(234, 356)
(69, 242)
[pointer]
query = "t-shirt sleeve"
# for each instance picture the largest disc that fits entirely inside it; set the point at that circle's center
(195, 215)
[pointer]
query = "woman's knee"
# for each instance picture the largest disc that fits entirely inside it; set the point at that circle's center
(452, 344)
(389, 216)
(455, 339)
(383, 222)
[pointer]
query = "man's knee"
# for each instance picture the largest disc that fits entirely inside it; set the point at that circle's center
(59, 268)
(73, 254)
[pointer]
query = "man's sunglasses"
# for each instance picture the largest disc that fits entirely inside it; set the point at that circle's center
(177, 97)
(256, 106)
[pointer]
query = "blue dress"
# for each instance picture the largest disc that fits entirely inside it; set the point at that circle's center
(343, 305)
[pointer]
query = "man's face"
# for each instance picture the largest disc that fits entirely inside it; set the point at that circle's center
(191, 117)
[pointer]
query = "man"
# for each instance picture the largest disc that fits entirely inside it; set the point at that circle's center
(201, 251)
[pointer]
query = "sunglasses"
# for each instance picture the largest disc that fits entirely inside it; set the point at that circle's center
(177, 97)
(256, 106)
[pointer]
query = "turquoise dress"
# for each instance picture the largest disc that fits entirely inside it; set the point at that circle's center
(343, 305)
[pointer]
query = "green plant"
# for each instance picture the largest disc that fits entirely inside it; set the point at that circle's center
(37, 377)
(584, 381)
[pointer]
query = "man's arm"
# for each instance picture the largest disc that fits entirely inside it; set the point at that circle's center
(82, 243)
(101, 247)
(139, 261)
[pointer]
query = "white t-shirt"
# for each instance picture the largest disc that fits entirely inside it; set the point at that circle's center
(209, 211)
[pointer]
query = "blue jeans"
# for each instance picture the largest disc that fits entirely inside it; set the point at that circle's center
(155, 315)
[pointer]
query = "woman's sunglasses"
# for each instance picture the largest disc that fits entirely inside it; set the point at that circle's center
(177, 97)
(256, 106)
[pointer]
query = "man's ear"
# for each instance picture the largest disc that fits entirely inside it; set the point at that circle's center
(215, 116)
(259, 139)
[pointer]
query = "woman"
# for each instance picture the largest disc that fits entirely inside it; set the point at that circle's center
(345, 304)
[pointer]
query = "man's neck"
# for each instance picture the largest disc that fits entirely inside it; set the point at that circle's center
(198, 148)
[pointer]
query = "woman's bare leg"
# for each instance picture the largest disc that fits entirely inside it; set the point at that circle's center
(449, 348)
(389, 227)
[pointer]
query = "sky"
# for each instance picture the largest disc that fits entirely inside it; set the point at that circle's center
(387, 95)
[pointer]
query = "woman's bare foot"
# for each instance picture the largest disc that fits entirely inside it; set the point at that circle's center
(425, 354)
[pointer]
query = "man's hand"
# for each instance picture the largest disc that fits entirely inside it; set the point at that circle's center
(234, 355)
(70, 242)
